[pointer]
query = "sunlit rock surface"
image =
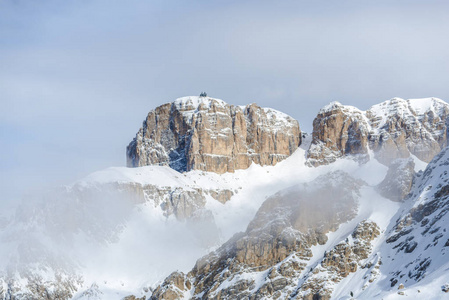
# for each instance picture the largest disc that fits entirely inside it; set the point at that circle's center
(276, 258)
(202, 133)
(344, 230)
(338, 130)
(396, 128)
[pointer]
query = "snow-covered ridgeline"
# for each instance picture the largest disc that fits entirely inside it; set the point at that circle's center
(97, 220)
(396, 128)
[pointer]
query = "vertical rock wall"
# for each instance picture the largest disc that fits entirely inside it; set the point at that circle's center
(201, 133)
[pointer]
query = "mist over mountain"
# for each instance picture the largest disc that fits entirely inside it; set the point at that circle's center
(234, 202)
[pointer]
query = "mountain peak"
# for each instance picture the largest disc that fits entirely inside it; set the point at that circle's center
(395, 128)
(204, 133)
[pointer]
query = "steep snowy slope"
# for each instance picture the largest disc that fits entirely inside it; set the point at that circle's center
(378, 249)
(281, 253)
(349, 227)
(141, 218)
(418, 241)
(414, 247)
(354, 264)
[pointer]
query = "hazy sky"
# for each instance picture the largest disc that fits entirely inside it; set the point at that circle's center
(77, 78)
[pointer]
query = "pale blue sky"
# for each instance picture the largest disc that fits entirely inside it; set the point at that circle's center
(78, 77)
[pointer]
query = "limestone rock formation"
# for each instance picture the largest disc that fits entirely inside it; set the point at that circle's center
(202, 133)
(277, 243)
(338, 130)
(393, 129)
(398, 181)
(174, 287)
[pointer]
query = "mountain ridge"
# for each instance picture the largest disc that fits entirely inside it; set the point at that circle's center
(396, 128)
(257, 231)
(208, 134)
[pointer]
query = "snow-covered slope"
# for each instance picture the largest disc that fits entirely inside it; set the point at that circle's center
(271, 232)
(124, 214)
(383, 250)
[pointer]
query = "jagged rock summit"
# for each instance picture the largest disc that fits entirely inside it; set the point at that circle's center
(203, 133)
(393, 129)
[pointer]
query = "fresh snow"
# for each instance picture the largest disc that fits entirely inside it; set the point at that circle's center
(335, 105)
(419, 164)
(413, 111)
(253, 185)
(195, 101)
(407, 109)
(189, 105)
(149, 246)
(423, 105)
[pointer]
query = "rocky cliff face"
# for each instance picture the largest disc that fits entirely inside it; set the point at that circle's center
(275, 247)
(399, 179)
(393, 129)
(420, 235)
(278, 257)
(202, 133)
(338, 130)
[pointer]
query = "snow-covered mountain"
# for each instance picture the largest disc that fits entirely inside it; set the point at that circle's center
(393, 129)
(353, 212)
